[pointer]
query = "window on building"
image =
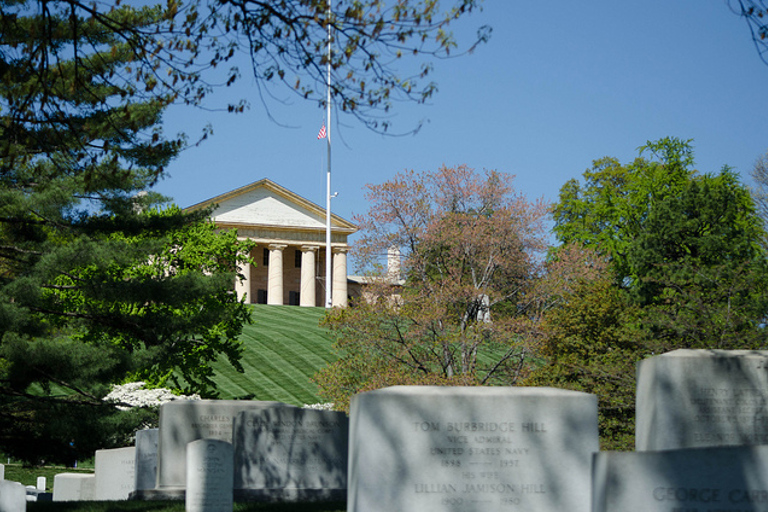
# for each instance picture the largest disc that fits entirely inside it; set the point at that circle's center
(297, 258)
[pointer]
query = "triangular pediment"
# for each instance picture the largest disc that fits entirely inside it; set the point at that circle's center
(267, 204)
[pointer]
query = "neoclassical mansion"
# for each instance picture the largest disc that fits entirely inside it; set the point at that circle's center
(290, 256)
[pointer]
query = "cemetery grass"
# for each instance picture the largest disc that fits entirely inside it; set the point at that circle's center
(283, 349)
(28, 475)
(177, 506)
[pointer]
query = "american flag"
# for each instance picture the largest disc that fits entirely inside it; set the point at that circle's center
(321, 135)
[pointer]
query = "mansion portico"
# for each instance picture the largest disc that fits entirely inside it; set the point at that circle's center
(290, 255)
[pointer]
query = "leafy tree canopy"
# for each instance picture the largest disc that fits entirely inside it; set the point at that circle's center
(97, 283)
(460, 308)
(689, 271)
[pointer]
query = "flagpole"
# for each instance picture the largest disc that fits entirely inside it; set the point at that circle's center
(328, 250)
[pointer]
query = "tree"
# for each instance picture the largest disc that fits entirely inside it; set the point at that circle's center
(471, 248)
(703, 266)
(591, 343)
(609, 211)
(759, 173)
(689, 272)
(97, 284)
(755, 12)
(287, 44)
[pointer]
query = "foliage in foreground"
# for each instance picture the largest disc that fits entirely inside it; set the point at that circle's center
(98, 282)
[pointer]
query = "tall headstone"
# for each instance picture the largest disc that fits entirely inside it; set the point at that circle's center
(74, 487)
(471, 449)
(182, 422)
(287, 454)
(13, 497)
(727, 479)
(115, 474)
(2, 472)
(700, 398)
(146, 458)
(41, 483)
(209, 478)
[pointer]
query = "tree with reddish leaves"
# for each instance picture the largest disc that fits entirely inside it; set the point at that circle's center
(461, 311)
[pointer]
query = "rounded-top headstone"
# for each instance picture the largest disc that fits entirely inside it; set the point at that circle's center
(210, 470)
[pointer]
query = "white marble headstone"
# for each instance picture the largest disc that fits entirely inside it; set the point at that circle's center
(726, 479)
(700, 398)
(209, 476)
(13, 497)
(74, 487)
(471, 449)
(185, 421)
(115, 474)
(146, 458)
(286, 453)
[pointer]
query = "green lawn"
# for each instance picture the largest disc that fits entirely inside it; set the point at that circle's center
(284, 348)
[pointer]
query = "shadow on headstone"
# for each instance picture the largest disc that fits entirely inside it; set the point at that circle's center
(471, 449)
(290, 454)
(696, 479)
(700, 398)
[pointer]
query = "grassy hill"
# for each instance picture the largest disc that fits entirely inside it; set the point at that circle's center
(284, 347)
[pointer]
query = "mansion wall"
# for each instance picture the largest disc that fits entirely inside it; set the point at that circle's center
(286, 274)
(289, 260)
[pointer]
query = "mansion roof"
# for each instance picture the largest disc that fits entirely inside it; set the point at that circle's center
(264, 207)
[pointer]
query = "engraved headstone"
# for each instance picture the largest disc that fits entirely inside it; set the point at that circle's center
(115, 474)
(726, 479)
(699, 398)
(41, 483)
(182, 422)
(286, 454)
(471, 449)
(13, 497)
(209, 476)
(74, 487)
(146, 458)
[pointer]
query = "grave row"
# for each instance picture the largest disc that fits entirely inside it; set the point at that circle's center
(702, 422)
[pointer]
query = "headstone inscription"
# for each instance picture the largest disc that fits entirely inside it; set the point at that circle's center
(699, 398)
(182, 422)
(471, 449)
(74, 487)
(291, 454)
(725, 479)
(209, 478)
(115, 474)
(146, 458)
(13, 497)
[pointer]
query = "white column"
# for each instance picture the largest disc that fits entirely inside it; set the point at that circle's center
(243, 286)
(307, 294)
(340, 277)
(275, 278)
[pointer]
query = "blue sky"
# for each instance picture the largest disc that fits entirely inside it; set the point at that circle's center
(558, 85)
